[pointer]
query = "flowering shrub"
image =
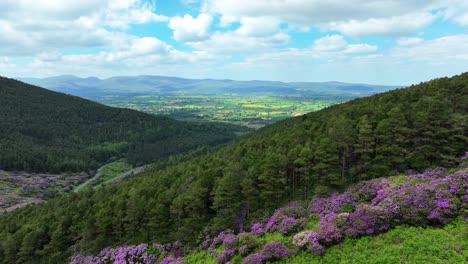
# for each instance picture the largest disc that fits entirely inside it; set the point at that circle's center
(136, 254)
(330, 228)
(230, 241)
(332, 204)
(276, 251)
(285, 218)
(247, 243)
(310, 241)
(366, 220)
(172, 260)
(225, 256)
(255, 258)
(257, 229)
(220, 239)
(303, 238)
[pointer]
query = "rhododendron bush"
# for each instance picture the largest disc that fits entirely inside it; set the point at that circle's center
(432, 198)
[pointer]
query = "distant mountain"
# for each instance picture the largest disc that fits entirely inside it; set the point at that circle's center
(162, 85)
(41, 130)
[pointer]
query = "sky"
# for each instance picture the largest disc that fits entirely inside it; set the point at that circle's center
(364, 41)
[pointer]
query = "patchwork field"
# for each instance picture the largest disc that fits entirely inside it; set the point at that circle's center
(251, 111)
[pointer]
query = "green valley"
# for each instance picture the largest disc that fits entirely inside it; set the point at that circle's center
(251, 111)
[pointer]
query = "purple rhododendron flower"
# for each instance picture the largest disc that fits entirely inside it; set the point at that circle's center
(255, 258)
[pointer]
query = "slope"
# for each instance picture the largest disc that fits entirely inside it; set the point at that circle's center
(42, 130)
(329, 228)
(413, 128)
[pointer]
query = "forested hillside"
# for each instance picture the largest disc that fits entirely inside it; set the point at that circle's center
(422, 126)
(43, 131)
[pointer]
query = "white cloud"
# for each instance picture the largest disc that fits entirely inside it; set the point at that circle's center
(462, 19)
(457, 11)
(30, 27)
(409, 41)
(330, 43)
(338, 45)
(360, 48)
(188, 28)
(237, 43)
(392, 26)
(314, 11)
(258, 26)
(444, 56)
(443, 50)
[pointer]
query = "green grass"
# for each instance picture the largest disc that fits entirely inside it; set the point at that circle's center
(201, 257)
(114, 169)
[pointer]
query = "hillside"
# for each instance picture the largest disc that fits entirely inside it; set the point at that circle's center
(400, 216)
(421, 126)
(163, 85)
(45, 131)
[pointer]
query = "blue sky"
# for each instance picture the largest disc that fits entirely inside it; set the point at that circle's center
(381, 42)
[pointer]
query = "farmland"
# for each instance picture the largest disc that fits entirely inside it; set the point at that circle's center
(251, 111)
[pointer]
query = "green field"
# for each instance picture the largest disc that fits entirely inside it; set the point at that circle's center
(252, 111)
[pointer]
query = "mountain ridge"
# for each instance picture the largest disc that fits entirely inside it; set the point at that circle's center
(149, 84)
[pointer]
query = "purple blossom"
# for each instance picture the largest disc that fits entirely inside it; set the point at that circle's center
(276, 251)
(290, 224)
(257, 229)
(225, 256)
(255, 258)
(244, 250)
(172, 260)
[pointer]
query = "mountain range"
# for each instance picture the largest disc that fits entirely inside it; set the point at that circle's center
(163, 85)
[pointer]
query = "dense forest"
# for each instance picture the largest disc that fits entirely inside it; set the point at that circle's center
(414, 128)
(45, 131)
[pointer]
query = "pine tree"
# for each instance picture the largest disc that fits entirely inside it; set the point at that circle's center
(364, 148)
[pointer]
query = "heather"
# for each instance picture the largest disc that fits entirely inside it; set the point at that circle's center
(393, 209)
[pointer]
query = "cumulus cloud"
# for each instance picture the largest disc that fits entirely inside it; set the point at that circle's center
(237, 43)
(392, 26)
(258, 26)
(356, 18)
(409, 41)
(30, 27)
(189, 29)
(330, 43)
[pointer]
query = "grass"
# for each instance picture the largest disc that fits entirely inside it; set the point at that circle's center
(109, 172)
(114, 169)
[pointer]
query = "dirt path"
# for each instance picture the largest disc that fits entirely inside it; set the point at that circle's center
(97, 175)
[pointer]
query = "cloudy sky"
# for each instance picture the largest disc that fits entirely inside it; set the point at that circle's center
(381, 42)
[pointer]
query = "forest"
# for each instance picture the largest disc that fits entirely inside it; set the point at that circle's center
(314, 155)
(45, 131)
